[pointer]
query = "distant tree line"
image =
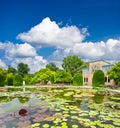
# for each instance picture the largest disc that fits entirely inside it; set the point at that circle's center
(70, 74)
(71, 65)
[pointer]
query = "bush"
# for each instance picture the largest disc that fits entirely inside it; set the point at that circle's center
(78, 79)
(98, 78)
(9, 79)
(52, 79)
(17, 80)
(62, 76)
(2, 79)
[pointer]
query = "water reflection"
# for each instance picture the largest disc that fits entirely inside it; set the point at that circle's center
(43, 108)
(23, 112)
(23, 99)
(98, 98)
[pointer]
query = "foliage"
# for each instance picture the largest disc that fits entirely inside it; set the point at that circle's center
(22, 69)
(27, 78)
(12, 70)
(114, 73)
(3, 71)
(2, 79)
(98, 78)
(78, 79)
(43, 74)
(52, 66)
(9, 79)
(62, 76)
(17, 80)
(72, 64)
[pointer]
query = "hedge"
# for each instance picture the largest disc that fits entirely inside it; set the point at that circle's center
(17, 80)
(98, 78)
(78, 79)
(2, 79)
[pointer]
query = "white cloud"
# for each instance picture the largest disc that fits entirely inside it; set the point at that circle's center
(68, 40)
(25, 53)
(49, 33)
(109, 50)
(2, 64)
(20, 50)
(34, 63)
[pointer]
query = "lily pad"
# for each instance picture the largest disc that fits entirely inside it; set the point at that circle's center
(46, 126)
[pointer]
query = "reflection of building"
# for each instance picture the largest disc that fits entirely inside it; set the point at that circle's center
(96, 65)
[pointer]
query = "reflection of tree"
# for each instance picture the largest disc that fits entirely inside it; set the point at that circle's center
(98, 98)
(4, 99)
(23, 99)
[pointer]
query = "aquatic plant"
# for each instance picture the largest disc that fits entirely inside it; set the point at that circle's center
(35, 125)
(46, 126)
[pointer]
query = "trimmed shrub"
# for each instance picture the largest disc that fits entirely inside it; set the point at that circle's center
(98, 78)
(9, 79)
(17, 80)
(2, 79)
(78, 79)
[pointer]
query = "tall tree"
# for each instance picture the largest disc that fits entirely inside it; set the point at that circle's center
(52, 66)
(72, 64)
(44, 74)
(11, 70)
(22, 69)
(114, 73)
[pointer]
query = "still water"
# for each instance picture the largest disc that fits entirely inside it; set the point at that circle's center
(61, 107)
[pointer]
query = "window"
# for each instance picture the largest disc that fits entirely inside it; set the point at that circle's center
(85, 79)
(108, 80)
(105, 79)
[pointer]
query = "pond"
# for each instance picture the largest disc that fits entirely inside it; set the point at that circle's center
(58, 107)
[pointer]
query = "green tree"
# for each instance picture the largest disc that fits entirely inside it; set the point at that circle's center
(9, 79)
(114, 73)
(17, 80)
(98, 78)
(62, 76)
(22, 69)
(43, 74)
(78, 79)
(3, 71)
(52, 66)
(27, 78)
(2, 79)
(72, 64)
(12, 70)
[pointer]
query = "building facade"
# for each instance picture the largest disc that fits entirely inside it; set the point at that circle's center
(92, 67)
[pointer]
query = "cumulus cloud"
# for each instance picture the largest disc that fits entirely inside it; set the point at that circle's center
(34, 63)
(21, 50)
(108, 50)
(25, 53)
(18, 50)
(68, 40)
(2, 64)
(49, 33)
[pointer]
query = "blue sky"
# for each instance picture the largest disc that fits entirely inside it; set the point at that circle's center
(37, 32)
